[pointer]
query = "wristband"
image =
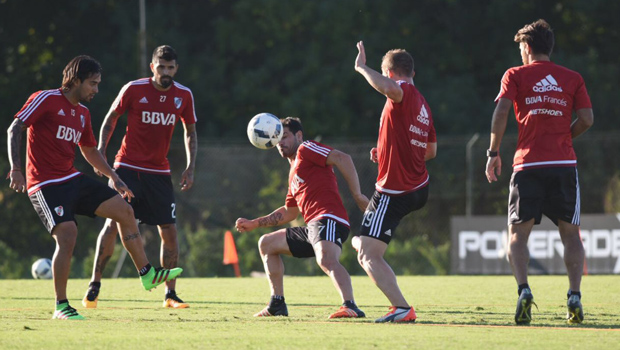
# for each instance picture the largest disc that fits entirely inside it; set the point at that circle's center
(491, 154)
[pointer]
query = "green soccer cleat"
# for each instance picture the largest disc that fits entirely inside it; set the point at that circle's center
(157, 276)
(575, 310)
(523, 315)
(64, 311)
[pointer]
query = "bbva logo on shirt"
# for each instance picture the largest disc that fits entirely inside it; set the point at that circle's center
(157, 118)
(68, 134)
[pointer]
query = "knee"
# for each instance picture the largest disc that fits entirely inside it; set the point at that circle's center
(263, 245)
(363, 259)
(327, 263)
(125, 214)
(65, 238)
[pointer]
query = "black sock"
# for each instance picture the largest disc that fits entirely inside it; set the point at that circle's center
(143, 271)
(94, 285)
(570, 292)
(522, 287)
(276, 300)
(404, 307)
(350, 304)
(170, 293)
(58, 302)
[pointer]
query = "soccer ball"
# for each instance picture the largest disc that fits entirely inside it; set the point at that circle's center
(42, 269)
(265, 130)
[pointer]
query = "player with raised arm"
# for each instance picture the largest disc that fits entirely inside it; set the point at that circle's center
(544, 178)
(406, 141)
(56, 122)
(153, 106)
(313, 191)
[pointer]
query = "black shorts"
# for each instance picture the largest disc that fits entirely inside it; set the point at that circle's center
(550, 191)
(80, 195)
(301, 240)
(154, 196)
(384, 212)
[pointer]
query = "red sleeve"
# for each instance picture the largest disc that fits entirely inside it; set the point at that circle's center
(34, 108)
(314, 152)
(123, 100)
(290, 201)
(188, 116)
(432, 135)
(582, 99)
(508, 87)
(88, 138)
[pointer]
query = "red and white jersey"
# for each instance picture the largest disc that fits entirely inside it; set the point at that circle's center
(313, 186)
(544, 96)
(406, 129)
(151, 117)
(55, 127)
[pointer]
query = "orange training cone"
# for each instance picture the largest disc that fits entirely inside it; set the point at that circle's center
(230, 252)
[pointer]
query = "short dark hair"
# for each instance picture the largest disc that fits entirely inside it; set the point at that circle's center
(293, 124)
(80, 68)
(538, 35)
(398, 61)
(165, 52)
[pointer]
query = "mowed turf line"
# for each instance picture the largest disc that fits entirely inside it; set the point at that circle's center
(454, 312)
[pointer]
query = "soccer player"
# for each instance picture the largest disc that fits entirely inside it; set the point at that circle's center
(544, 178)
(153, 107)
(56, 122)
(313, 191)
(406, 141)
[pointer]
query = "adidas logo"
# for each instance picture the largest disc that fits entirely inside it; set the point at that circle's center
(547, 84)
(423, 116)
(339, 241)
(61, 112)
(144, 100)
(388, 232)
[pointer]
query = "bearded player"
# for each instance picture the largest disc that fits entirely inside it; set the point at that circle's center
(153, 106)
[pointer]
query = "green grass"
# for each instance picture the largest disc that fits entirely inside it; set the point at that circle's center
(454, 312)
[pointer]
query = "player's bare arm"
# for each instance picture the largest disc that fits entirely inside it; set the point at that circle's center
(585, 119)
(191, 149)
(431, 151)
(14, 140)
(382, 84)
(107, 129)
(498, 127)
(279, 216)
(345, 165)
(95, 158)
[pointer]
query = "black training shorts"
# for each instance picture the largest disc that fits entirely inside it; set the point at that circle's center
(384, 212)
(80, 195)
(301, 240)
(550, 191)
(154, 196)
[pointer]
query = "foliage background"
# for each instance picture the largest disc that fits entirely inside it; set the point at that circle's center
(296, 58)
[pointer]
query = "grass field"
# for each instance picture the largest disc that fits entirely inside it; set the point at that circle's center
(454, 312)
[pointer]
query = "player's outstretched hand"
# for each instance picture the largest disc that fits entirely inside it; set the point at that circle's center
(362, 202)
(245, 225)
(360, 60)
(494, 168)
(187, 179)
(373, 154)
(18, 183)
(122, 189)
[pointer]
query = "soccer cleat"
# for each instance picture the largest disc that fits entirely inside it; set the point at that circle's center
(279, 310)
(91, 298)
(523, 315)
(66, 312)
(575, 310)
(398, 315)
(157, 276)
(173, 301)
(347, 312)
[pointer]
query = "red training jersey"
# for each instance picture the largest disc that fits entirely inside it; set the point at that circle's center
(55, 127)
(151, 117)
(405, 130)
(544, 96)
(313, 186)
